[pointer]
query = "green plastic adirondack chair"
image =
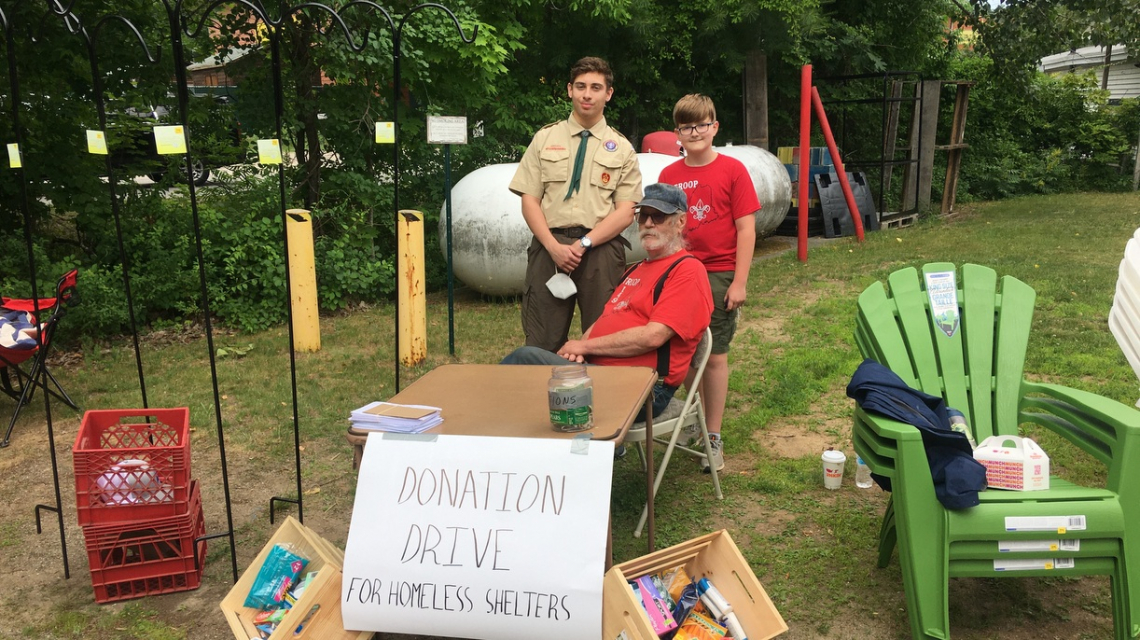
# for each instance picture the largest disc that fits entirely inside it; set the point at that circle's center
(975, 361)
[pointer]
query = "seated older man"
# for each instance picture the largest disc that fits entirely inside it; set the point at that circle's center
(658, 312)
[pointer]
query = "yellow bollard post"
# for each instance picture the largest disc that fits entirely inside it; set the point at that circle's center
(410, 278)
(303, 280)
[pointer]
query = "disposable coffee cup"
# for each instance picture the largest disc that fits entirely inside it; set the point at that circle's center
(833, 463)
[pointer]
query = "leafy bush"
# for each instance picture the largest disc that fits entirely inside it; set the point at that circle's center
(243, 249)
(245, 253)
(351, 266)
(102, 309)
(1059, 135)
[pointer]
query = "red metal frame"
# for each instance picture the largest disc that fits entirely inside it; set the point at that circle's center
(852, 208)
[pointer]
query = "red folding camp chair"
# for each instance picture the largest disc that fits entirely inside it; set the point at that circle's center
(27, 379)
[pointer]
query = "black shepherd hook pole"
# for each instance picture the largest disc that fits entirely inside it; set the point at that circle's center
(272, 31)
(91, 41)
(279, 110)
(18, 133)
(396, 35)
(175, 19)
(274, 34)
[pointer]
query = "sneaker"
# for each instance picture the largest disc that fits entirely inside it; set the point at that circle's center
(716, 448)
(619, 452)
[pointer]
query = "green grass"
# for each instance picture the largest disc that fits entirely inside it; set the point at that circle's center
(133, 622)
(813, 550)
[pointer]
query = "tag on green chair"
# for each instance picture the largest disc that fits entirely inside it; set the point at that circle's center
(943, 301)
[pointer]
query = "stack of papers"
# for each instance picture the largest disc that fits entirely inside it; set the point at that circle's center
(398, 418)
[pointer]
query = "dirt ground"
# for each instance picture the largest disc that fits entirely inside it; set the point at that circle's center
(35, 588)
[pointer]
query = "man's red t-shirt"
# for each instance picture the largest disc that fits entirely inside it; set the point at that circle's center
(685, 306)
(718, 193)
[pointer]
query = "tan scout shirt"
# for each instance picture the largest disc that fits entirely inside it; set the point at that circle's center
(610, 173)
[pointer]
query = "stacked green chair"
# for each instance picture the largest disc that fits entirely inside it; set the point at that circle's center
(975, 361)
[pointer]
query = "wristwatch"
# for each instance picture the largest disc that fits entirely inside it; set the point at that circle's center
(586, 242)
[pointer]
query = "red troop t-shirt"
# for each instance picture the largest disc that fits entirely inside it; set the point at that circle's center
(718, 193)
(685, 306)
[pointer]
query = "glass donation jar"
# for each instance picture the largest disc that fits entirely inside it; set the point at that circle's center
(571, 398)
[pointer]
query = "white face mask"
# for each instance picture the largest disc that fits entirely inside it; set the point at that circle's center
(561, 286)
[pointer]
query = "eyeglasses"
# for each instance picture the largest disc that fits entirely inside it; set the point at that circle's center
(689, 129)
(657, 216)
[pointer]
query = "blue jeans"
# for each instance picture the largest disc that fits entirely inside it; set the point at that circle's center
(662, 393)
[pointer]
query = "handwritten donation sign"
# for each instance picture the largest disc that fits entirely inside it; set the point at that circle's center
(478, 537)
(943, 292)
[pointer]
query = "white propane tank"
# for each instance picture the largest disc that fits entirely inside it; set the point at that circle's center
(773, 186)
(490, 237)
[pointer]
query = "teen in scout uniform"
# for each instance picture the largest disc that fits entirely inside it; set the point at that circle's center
(578, 181)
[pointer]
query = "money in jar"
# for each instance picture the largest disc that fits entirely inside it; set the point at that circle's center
(571, 397)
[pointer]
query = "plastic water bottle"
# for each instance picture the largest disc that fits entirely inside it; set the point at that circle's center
(862, 474)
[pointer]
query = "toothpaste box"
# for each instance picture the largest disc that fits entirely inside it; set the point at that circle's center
(1014, 463)
(660, 618)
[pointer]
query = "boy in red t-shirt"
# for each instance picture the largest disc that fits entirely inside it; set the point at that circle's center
(721, 233)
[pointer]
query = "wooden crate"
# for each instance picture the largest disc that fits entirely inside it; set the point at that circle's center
(713, 556)
(325, 623)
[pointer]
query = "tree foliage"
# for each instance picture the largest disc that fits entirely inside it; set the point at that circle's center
(508, 82)
(1016, 34)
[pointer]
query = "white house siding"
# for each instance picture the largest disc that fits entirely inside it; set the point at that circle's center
(1123, 74)
(1124, 81)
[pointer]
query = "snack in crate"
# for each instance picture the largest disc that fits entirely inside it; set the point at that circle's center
(687, 600)
(276, 576)
(266, 621)
(699, 627)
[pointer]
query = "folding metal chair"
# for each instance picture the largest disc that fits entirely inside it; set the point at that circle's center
(668, 426)
(20, 382)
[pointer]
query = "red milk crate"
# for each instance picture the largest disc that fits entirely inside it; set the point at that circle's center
(148, 557)
(132, 464)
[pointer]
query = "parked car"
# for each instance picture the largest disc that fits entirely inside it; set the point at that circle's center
(215, 138)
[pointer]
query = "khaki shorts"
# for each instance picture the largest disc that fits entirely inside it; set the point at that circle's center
(723, 323)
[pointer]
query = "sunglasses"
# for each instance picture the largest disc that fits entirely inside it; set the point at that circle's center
(657, 216)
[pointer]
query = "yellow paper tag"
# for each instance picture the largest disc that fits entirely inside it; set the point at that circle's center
(1048, 565)
(269, 151)
(1053, 547)
(385, 133)
(1061, 530)
(170, 139)
(14, 156)
(96, 142)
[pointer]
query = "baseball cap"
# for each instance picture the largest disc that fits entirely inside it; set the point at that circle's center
(666, 198)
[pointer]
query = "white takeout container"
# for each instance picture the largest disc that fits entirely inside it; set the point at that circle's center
(1013, 462)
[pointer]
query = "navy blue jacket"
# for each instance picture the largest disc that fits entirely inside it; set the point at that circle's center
(958, 477)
